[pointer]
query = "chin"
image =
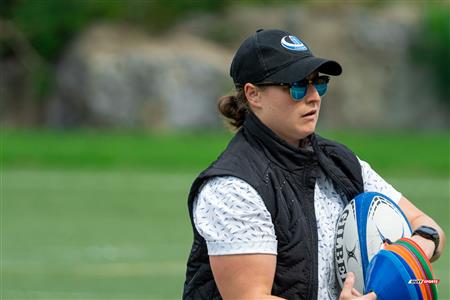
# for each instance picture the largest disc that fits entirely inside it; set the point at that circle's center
(304, 132)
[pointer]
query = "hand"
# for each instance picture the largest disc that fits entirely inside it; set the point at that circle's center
(349, 292)
(426, 245)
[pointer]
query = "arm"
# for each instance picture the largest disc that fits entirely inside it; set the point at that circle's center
(240, 236)
(418, 218)
(244, 276)
(251, 277)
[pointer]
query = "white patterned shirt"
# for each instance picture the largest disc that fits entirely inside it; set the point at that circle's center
(233, 219)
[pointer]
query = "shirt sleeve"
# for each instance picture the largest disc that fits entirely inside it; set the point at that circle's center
(233, 219)
(375, 183)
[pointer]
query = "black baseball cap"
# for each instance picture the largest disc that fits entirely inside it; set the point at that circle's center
(273, 55)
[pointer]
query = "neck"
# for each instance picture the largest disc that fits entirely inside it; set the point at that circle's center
(294, 142)
(275, 147)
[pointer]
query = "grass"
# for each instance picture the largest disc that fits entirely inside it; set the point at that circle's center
(91, 215)
(94, 234)
(112, 150)
(392, 154)
(119, 234)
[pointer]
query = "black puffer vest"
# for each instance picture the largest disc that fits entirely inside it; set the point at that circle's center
(285, 178)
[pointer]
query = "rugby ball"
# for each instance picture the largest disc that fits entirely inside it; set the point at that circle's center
(361, 229)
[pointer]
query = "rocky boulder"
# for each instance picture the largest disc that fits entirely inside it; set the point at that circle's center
(117, 76)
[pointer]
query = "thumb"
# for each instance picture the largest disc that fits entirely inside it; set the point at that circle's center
(369, 296)
(348, 284)
(349, 280)
(355, 292)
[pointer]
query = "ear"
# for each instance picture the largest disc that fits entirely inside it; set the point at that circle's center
(253, 95)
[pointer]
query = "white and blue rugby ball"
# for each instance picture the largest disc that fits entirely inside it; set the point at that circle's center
(362, 227)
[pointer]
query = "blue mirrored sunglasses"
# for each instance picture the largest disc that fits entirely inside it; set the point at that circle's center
(298, 89)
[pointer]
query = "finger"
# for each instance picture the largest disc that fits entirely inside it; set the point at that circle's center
(370, 296)
(348, 284)
(355, 292)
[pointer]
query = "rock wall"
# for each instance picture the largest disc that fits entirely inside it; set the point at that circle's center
(119, 76)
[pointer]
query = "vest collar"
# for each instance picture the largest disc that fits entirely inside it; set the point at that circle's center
(278, 150)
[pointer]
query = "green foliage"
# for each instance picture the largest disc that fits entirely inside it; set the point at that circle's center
(50, 24)
(43, 80)
(433, 44)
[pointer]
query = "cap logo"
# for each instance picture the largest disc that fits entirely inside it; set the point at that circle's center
(291, 42)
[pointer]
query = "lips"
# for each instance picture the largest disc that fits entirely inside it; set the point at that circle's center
(309, 113)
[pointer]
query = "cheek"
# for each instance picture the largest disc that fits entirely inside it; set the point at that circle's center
(277, 104)
(285, 104)
(281, 109)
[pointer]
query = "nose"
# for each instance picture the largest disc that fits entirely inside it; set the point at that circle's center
(311, 94)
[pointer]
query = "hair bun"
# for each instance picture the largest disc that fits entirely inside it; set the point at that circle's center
(234, 108)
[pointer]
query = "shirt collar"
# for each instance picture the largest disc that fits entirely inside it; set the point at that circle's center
(277, 149)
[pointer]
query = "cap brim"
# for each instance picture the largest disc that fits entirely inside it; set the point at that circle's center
(303, 67)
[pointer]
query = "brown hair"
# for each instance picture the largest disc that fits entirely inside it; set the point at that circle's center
(234, 108)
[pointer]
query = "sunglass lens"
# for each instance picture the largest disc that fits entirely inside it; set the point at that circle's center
(298, 92)
(321, 88)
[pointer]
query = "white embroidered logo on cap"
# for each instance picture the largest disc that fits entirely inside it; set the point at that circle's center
(291, 42)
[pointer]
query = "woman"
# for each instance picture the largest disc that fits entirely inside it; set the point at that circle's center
(264, 212)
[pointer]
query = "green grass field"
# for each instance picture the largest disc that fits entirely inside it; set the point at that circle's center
(104, 216)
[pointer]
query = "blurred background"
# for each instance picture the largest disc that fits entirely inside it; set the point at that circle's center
(108, 113)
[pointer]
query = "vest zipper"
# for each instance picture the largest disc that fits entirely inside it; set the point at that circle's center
(311, 227)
